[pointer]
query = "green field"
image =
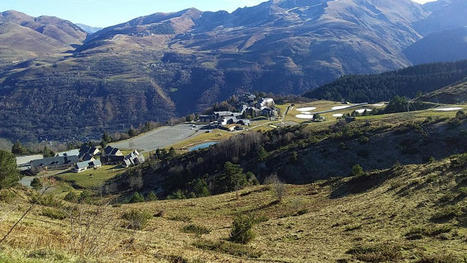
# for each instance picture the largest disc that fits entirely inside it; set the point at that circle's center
(90, 179)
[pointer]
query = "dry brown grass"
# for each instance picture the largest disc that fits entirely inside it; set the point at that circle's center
(307, 226)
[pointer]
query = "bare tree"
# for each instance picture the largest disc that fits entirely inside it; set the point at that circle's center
(90, 230)
(277, 186)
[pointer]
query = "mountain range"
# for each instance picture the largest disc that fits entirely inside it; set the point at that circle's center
(61, 82)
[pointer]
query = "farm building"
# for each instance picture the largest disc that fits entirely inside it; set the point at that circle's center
(54, 163)
(83, 166)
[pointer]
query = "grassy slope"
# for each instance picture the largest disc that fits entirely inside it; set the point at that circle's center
(91, 179)
(338, 216)
(452, 94)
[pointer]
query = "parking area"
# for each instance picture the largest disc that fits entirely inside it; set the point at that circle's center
(160, 137)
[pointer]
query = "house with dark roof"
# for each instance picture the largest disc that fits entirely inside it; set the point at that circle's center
(87, 153)
(111, 155)
(54, 163)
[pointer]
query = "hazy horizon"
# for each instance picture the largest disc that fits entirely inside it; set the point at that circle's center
(105, 13)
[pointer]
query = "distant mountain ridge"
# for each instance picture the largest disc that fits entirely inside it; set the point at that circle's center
(23, 37)
(448, 45)
(171, 64)
(89, 29)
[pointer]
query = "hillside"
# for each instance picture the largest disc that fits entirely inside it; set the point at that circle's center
(23, 37)
(173, 64)
(453, 94)
(303, 153)
(382, 87)
(447, 46)
(413, 213)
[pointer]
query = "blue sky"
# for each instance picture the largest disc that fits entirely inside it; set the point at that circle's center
(103, 13)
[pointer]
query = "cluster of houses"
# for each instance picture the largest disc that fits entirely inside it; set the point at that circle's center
(87, 157)
(252, 107)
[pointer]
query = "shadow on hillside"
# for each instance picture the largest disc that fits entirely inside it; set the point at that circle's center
(273, 203)
(360, 184)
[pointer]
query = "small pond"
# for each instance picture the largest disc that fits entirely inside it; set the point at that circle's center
(201, 146)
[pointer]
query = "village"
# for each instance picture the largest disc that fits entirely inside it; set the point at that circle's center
(251, 108)
(89, 157)
(83, 159)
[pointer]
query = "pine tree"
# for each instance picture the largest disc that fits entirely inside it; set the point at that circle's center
(8, 173)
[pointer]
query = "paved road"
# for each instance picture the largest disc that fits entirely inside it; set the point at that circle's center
(159, 138)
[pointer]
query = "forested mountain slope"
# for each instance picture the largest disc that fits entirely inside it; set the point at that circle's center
(382, 87)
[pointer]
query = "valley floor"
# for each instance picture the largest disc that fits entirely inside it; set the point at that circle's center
(414, 213)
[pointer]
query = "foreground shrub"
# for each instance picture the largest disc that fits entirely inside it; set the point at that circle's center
(195, 229)
(136, 198)
(430, 231)
(45, 254)
(376, 253)
(241, 229)
(181, 218)
(228, 248)
(45, 200)
(151, 197)
(137, 219)
(54, 213)
(36, 184)
(6, 196)
(439, 259)
(71, 197)
(447, 213)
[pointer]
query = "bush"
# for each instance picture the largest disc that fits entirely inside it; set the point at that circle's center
(54, 213)
(227, 247)
(45, 200)
(460, 115)
(177, 195)
(376, 253)
(357, 170)
(447, 213)
(242, 229)
(136, 198)
(6, 196)
(85, 197)
(151, 196)
(180, 218)
(36, 184)
(45, 254)
(137, 219)
(200, 188)
(251, 178)
(195, 229)
(71, 197)
(439, 258)
(429, 231)
(459, 161)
